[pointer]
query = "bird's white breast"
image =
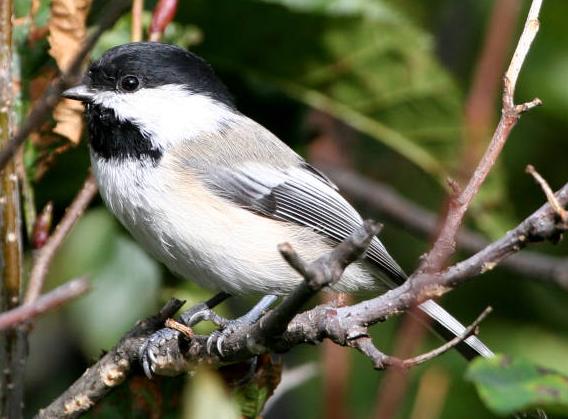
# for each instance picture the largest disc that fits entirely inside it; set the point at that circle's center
(202, 237)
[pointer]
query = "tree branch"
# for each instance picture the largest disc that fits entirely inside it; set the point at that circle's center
(382, 361)
(562, 213)
(109, 371)
(325, 271)
(53, 299)
(45, 254)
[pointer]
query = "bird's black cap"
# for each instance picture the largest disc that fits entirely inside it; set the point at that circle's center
(156, 64)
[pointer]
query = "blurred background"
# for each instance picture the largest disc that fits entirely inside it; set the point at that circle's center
(403, 93)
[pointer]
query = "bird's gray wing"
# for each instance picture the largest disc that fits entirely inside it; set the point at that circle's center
(299, 194)
(302, 195)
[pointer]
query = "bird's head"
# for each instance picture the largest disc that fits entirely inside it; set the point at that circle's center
(158, 91)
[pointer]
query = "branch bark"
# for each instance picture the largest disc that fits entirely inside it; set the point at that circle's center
(45, 255)
(53, 299)
(109, 371)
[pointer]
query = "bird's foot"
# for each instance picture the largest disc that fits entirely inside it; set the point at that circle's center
(217, 338)
(162, 353)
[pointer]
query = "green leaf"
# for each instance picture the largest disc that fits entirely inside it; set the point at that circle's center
(508, 385)
(376, 71)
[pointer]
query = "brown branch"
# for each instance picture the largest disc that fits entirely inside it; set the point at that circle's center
(109, 371)
(444, 245)
(44, 106)
(420, 359)
(381, 361)
(47, 252)
(418, 220)
(345, 324)
(53, 299)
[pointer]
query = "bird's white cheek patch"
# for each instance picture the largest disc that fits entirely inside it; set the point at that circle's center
(168, 114)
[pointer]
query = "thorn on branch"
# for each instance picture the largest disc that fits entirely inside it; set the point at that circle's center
(527, 106)
(552, 200)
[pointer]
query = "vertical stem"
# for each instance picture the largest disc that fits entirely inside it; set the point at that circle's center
(12, 342)
(137, 11)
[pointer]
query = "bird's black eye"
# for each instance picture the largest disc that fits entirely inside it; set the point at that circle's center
(129, 83)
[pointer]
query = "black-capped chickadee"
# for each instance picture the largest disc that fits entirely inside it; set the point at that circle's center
(211, 193)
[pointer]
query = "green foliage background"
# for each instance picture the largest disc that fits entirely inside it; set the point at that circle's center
(396, 71)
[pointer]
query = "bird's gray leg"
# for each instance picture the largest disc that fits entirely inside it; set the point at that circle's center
(160, 351)
(259, 309)
(204, 311)
(217, 337)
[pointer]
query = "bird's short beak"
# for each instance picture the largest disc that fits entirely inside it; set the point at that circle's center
(80, 92)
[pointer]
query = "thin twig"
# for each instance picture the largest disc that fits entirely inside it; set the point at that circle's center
(45, 254)
(12, 343)
(44, 106)
(527, 37)
(137, 10)
(562, 213)
(445, 243)
(469, 331)
(53, 299)
(162, 16)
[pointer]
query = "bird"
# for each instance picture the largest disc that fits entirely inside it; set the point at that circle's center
(211, 193)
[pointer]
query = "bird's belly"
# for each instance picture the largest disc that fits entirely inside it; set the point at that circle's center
(201, 237)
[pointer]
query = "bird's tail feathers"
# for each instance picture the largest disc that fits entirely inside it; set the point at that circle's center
(448, 327)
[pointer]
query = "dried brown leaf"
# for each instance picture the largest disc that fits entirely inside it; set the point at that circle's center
(67, 30)
(69, 116)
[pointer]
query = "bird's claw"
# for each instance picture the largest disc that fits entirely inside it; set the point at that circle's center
(161, 353)
(217, 338)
